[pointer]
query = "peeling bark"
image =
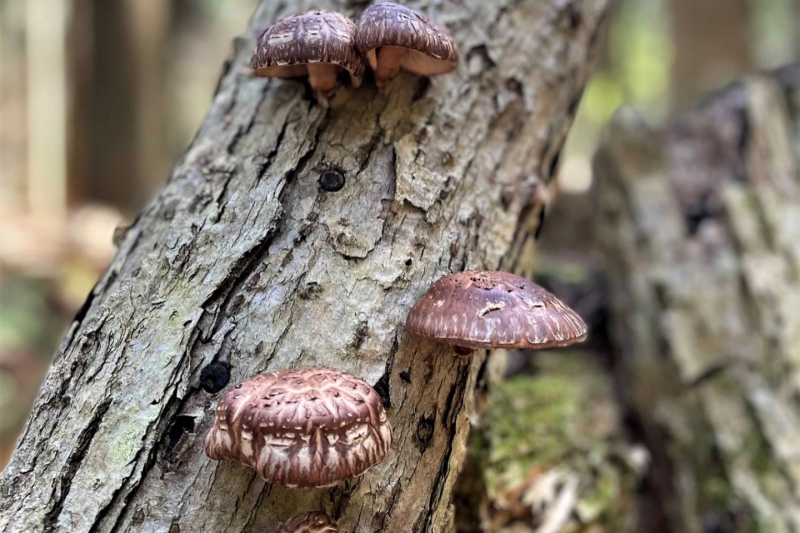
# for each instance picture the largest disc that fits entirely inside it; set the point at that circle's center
(243, 259)
(700, 225)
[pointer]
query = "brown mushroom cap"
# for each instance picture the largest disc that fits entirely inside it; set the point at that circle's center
(288, 47)
(310, 523)
(430, 49)
(310, 427)
(494, 310)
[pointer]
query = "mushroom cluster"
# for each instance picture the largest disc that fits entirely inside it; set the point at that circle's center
(322, 44)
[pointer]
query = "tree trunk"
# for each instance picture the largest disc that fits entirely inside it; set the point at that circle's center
(13, 106)
(242, 258)
(700, 224)
(712, 45)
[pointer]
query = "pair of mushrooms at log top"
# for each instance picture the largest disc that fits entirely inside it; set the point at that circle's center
(320, 44)
(316, 427)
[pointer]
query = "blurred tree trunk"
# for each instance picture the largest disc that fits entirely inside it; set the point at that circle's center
(80, 98)
(13, 103)
(700, 224)
(243, 259)
(46, 76)
(115, 167)
(128, 96)
(148, 24)
(711, 46)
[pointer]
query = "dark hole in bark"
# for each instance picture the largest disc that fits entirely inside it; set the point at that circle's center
(215, 377)
(331, 180)
(182, 424)
(405, 375)
(424, 433)
(697, 214)
(382, 388)
(421, 88)
(514, 86)
(506, 197)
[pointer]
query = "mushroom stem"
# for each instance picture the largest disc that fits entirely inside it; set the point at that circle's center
(322, 77)
(462, 352)
(388, 64)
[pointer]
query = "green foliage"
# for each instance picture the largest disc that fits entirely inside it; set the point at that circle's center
(560, 422)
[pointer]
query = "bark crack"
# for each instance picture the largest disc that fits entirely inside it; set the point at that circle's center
(62, 489)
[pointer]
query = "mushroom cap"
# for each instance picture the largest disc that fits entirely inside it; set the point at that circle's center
(431, 50)
(284, 49)
(494, 310)
(310, 427)
(314, 522)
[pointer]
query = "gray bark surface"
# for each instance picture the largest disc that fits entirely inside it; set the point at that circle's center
(700, 225)
(242, 258)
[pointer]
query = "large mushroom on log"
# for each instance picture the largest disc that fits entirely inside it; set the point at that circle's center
(484, 310)
(310, 427)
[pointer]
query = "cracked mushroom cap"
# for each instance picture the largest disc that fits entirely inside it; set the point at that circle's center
(310, 427)
(484, 310)
(406, 37)
(315, 44)
(310, 523)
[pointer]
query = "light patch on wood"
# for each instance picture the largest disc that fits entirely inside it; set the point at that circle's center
(416, 184)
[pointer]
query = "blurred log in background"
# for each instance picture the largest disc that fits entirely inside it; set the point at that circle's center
(700, 228)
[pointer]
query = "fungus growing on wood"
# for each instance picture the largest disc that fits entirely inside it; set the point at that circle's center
(314, 522)
(318, 44)
(392, 37)
(310, 427)
(485, 310)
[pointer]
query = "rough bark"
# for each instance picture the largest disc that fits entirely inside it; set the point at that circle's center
(242, 258)
(700, 224)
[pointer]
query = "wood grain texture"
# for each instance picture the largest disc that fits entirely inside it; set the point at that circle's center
(700, 225)
(242, 258)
